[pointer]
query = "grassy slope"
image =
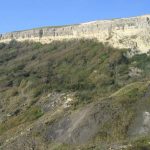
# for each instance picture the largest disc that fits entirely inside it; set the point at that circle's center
(29, 71)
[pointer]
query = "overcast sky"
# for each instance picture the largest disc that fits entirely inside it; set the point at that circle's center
(25, 14)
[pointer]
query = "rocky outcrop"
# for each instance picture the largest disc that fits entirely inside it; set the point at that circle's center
(131, 33)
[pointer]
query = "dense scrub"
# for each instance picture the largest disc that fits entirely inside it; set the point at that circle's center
(85, 66)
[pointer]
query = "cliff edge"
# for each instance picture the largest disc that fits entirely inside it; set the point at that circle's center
(133, 33)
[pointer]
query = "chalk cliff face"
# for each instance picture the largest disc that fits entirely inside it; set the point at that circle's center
(131, 33)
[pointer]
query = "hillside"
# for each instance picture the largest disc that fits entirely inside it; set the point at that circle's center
(74, 94)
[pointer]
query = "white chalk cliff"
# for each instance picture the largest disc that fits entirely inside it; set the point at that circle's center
(131, 33)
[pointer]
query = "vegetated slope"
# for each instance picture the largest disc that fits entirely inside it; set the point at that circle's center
(73, 94)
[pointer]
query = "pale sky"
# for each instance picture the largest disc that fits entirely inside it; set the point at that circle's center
(25, 14)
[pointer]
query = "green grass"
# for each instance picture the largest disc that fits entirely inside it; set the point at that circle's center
(28, 116)
(140, 144)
